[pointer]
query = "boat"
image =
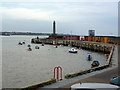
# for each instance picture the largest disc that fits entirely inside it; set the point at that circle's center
(42, 44)
(89, 57)
(29, 49)
(23, 42)
(73, 50)
(6, 34)
(20, 43)
(36, 47)
(95, 64)
(56, 44)
(29, 45)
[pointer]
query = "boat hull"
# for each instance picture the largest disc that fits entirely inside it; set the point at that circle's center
(56, 44)
(72, 51)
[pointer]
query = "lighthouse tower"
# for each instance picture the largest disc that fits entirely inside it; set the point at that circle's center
(54, 28)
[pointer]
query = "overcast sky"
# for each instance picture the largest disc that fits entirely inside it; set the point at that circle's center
(75, 17)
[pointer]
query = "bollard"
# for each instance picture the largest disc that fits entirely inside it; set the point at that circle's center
(58, 73)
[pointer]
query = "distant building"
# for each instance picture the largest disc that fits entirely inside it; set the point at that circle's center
(91, 32)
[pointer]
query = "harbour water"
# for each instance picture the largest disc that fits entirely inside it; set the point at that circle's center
(21, 68)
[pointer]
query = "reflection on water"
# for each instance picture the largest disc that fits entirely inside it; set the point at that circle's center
(22, 67)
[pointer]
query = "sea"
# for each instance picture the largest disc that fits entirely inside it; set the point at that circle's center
(21, 68)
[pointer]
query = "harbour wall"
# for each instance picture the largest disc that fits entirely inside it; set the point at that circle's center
(87, 45)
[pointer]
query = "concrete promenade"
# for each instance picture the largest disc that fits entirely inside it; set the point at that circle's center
(102, 76)
(98, 78)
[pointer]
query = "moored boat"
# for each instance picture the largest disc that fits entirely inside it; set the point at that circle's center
(36, 47)
(73, 50)
(20, 43)
(95, 64)
(29, 49)
(42, 44)
(54, 43)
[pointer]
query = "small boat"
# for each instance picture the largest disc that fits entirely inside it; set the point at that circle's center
(6, 34)
(20, 43)
(29, 49)
(95, 64)
(42, 44)
(56, 46)
(29, 45)
(23, 42)
(36, 47)
(54, 43)
(73, 50)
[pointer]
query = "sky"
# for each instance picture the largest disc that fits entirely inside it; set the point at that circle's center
(71, 17)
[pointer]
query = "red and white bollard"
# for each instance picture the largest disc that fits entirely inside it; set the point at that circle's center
(58, 73)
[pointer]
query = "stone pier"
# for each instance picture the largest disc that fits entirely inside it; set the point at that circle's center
(93, 46)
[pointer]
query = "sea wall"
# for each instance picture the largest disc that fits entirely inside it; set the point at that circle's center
(88, 45)
(39, 85)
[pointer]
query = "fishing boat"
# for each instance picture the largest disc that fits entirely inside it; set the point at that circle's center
(54, 43)
(73, 50)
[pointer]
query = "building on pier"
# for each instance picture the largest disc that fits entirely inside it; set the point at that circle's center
(91, 32)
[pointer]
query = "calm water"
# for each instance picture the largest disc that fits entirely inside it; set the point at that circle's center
(22, 68)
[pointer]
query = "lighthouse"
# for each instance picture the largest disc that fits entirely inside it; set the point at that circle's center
(54, 28)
